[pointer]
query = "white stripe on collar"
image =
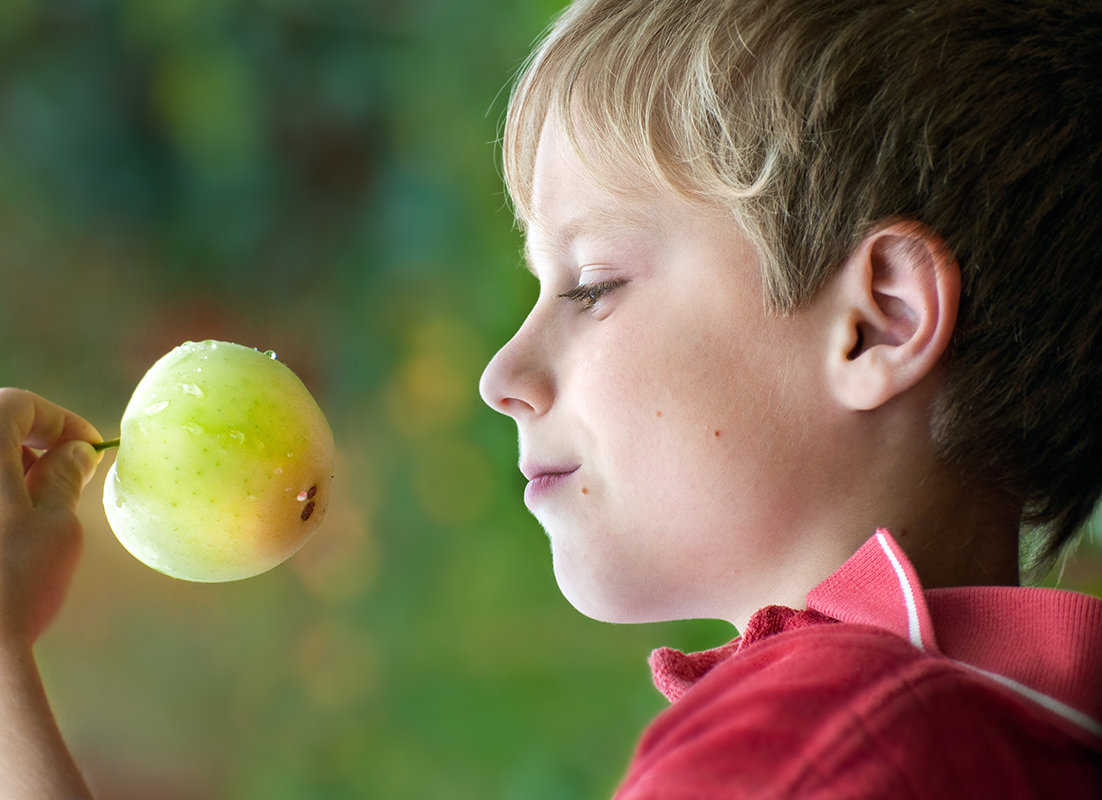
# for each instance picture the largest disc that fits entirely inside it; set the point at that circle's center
(914, 630)
(1069, 713)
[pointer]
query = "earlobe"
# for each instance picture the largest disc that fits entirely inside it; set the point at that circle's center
(894, 309)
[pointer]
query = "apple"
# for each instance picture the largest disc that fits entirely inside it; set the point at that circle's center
(224, 464)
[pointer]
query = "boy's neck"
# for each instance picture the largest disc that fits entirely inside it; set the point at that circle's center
(971, 541)
(955, 532)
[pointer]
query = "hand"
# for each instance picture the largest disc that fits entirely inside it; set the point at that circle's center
(45, 461)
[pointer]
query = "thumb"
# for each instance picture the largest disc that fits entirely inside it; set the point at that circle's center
(58, 477)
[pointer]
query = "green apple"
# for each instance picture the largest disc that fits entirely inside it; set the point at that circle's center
(224, 464)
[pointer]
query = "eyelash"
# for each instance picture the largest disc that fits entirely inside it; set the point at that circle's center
(589, 293)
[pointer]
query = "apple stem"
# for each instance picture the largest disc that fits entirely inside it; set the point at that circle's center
(106, 445)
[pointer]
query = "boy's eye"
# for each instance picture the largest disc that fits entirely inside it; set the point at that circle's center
(589, 293)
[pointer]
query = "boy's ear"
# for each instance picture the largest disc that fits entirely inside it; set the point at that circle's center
(894, 305)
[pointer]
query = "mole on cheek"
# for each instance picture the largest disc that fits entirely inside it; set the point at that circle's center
(585, 490)
(658, 414)
(716, 434)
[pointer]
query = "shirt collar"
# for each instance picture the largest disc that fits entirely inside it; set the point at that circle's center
(1039, 643)
(878, 586)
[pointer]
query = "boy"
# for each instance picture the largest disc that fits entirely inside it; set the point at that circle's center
(812, 344)
(812, 273)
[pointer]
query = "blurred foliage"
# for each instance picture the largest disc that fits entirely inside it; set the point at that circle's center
(316, 177)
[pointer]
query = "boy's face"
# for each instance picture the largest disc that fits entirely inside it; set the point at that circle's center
(660, 408)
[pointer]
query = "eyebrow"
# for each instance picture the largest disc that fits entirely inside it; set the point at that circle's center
(601, 223)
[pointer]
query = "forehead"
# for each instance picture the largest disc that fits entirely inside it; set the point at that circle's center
(557, 237)
(577, 196)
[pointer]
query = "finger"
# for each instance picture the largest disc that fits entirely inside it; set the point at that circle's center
(28, 420)
(34, 421)
(59, 475)
(29, 457)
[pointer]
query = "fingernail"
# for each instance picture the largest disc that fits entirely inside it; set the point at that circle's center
(85, 456)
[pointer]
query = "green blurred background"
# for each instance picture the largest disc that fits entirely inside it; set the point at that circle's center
(319, 178)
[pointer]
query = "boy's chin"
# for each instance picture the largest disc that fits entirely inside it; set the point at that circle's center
(600, 601)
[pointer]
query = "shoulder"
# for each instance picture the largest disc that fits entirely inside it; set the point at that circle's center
(847, 710)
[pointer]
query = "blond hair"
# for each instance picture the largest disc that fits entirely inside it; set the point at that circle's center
(813, 122)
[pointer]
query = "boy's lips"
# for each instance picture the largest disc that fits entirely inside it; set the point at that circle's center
(544, 478)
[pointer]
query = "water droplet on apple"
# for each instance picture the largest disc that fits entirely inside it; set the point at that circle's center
(192, 389)
(156, 408)
(116, 496)
(237, 436)
(193, 429)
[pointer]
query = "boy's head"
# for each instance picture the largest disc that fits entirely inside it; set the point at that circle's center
(815, 123)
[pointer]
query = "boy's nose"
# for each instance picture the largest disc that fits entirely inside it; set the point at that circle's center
(516, 382)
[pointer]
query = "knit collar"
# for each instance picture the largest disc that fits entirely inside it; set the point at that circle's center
(1039, 643)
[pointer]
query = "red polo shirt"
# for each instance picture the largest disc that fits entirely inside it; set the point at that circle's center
(882, 690)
